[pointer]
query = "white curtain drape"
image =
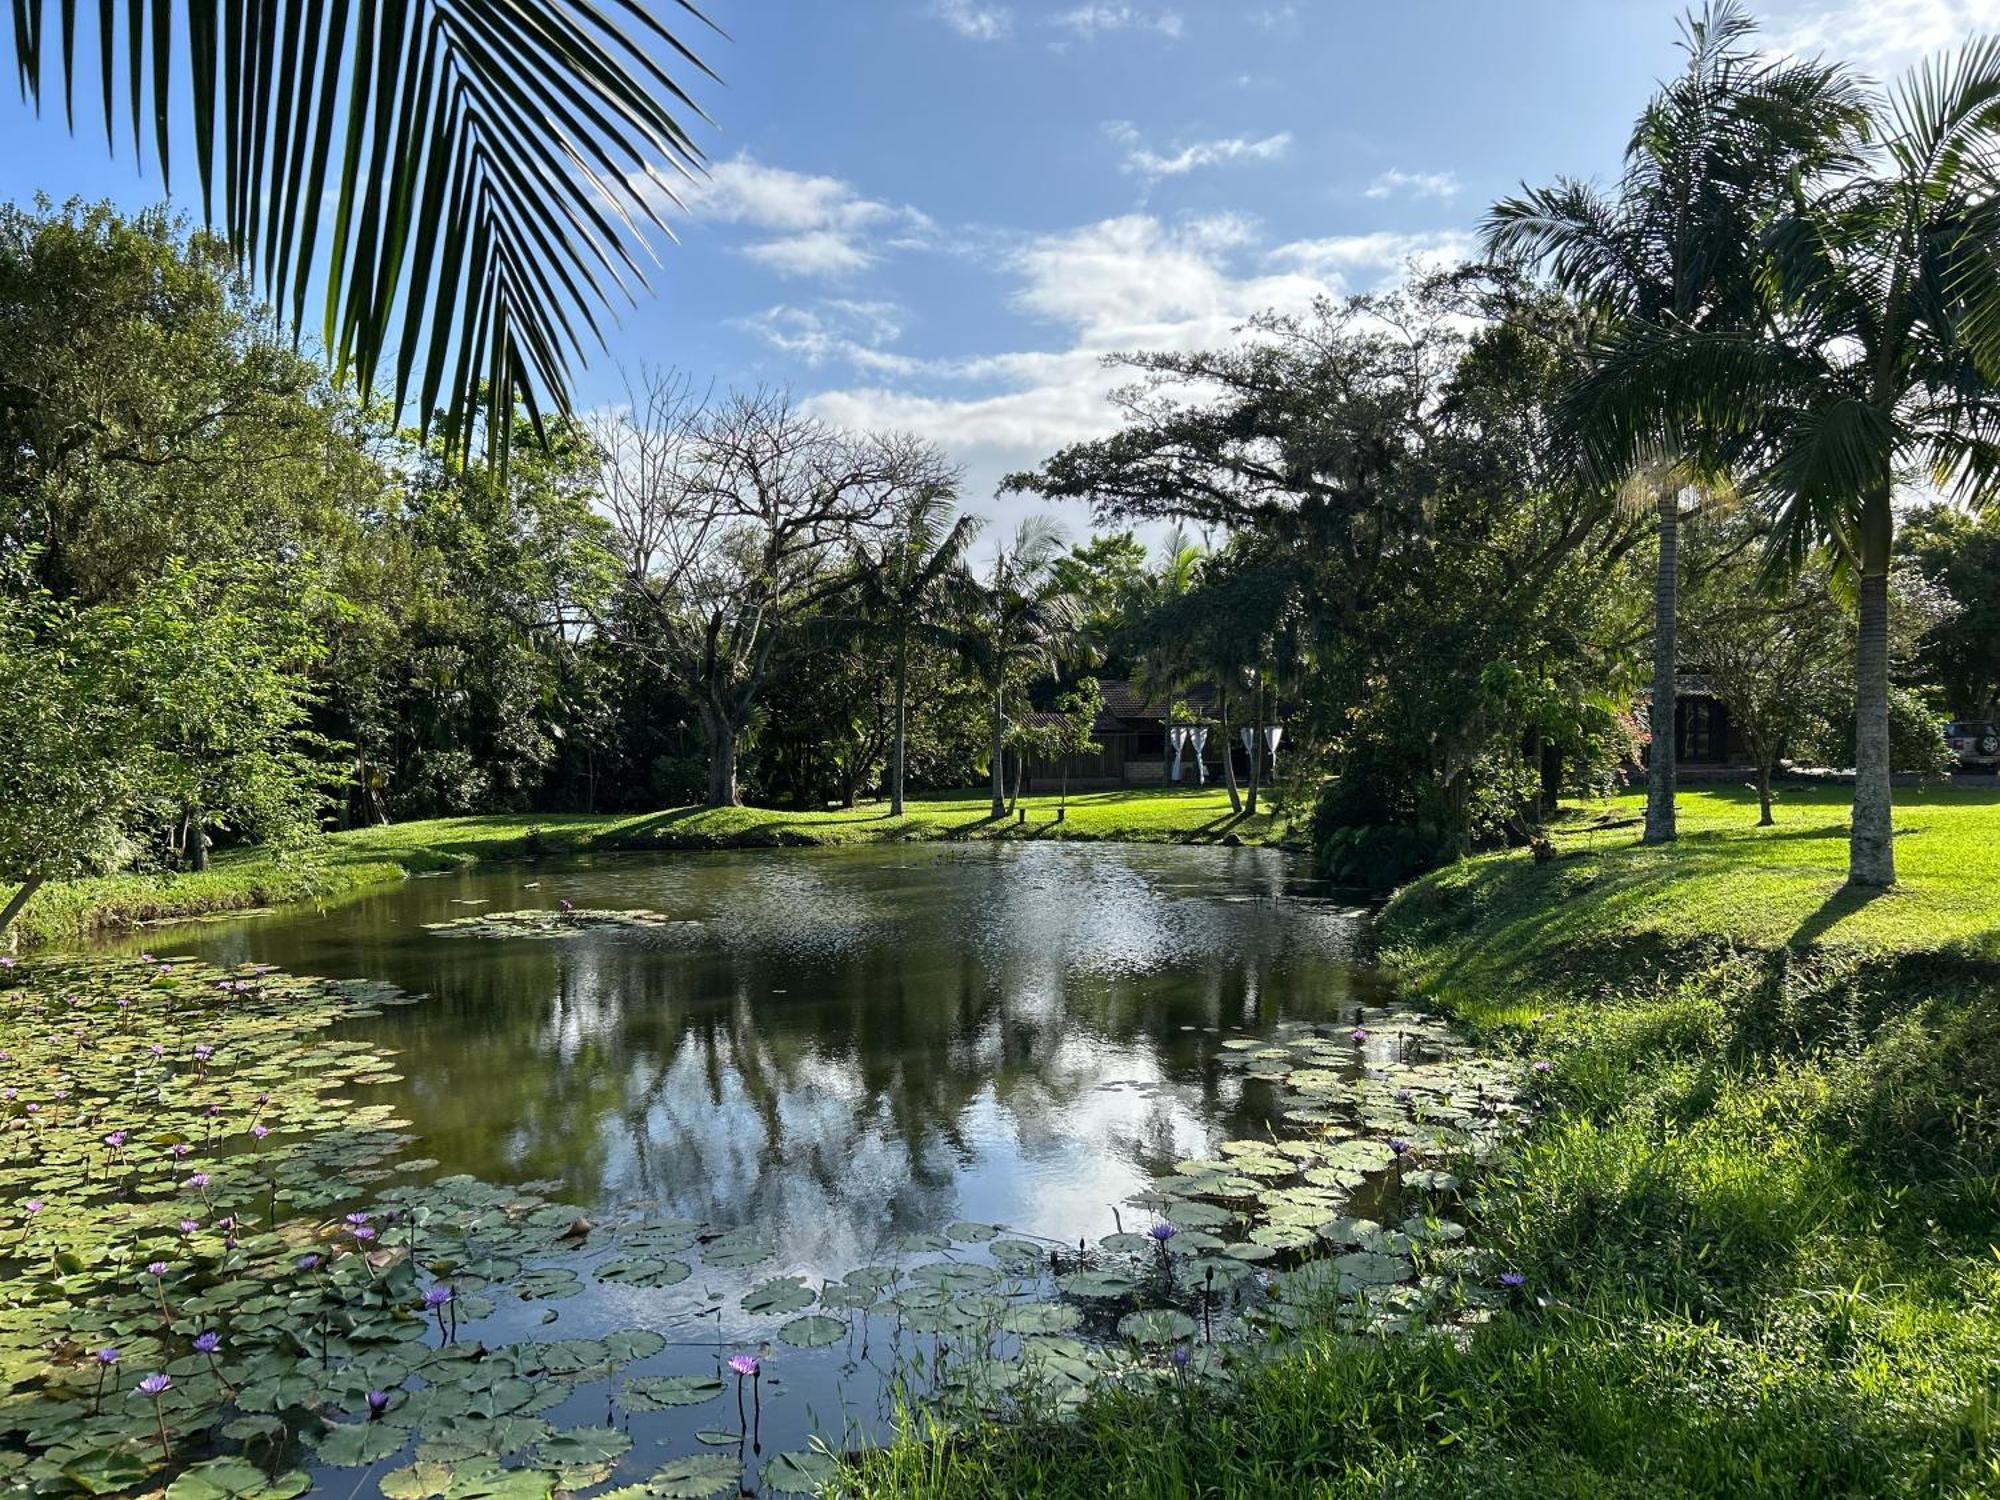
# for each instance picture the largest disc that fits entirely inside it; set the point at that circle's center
(1272, 734)
(1200, 738)
(1179, 736)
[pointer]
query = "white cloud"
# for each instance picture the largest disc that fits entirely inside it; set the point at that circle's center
(1395, 182)
(1134, 283)
(979, 23)
(1152, 164)
(1881, 37)
(811, 225)
(836, 330)
(1089, 21)
(1341, 255)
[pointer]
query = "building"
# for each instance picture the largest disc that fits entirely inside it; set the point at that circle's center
(1703, 735)
(1137, 741)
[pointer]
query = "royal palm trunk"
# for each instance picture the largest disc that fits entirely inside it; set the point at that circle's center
(1871, 854)
(1660, 768)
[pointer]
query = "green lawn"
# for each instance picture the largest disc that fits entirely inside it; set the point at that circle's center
(1726, 881)
(345, 862)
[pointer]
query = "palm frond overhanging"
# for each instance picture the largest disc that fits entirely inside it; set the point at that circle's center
(469, 181)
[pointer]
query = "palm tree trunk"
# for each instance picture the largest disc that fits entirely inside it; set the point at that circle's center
(902, 700)
(1256, 744)
(1228, 753)
(1871, 854)
(999, 753)
(1666, 619)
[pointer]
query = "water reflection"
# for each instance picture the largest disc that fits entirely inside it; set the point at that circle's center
(839, 1045)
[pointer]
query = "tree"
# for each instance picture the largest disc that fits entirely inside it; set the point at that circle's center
(1021, 622)
(481, 170)
(1881, 339)
(1705, 167)
(1778, 664)
(730, 523)
(186, 705)
(914, 582)
(146, 410)
(1064, 732)
(1960, 553)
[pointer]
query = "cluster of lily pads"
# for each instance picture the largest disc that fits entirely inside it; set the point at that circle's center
(561, 921)
(222, 1271)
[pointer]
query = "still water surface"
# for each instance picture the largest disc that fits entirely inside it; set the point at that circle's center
(836, 1046)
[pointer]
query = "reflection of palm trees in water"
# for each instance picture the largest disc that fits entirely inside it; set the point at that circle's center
(841, 1095)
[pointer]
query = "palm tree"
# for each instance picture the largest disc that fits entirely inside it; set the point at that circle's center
(1022, 620)
(1884, 304)
(1707, 164)
(482, 170)
(917, 584)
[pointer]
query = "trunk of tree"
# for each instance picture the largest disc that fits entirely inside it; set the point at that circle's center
(902, 701)
(1228, 755)
(1020, 770)
(1871, 854)
(20, 899)
(721, 760)
(197, 839)
(1764, 818)
(999, 753)
(1256, 746)
(1666, 620)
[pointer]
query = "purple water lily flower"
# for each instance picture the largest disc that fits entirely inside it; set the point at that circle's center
(182, 1150)
(34, 1206)
(1180, 1356)
(115, 1139)
(378, 1402)
(436, 1297)
(1163, 1231)
(260, 1131)
(745, 1364)
(156, 1268)
(198, 1180)
(1543, 1065)
(1357, 1036)
(1513, 1281)
(1404, 1096)
(107, 1356)
(203, 1052)
(1399, 1146)
(156, 1384)
(307, 1262)
(207, 1343)
(158, 1049)
(189, 1226)
(363, 1234)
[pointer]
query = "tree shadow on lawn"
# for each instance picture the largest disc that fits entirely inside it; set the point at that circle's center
(1846, 902)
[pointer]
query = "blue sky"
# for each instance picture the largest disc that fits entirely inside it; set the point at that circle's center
(939, 214)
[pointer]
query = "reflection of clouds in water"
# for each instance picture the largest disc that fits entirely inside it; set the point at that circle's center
(839, 1046)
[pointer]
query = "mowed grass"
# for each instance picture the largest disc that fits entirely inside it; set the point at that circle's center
(1724, 882)
(345, 862)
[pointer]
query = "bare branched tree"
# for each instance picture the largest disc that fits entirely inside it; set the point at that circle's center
(731, 520)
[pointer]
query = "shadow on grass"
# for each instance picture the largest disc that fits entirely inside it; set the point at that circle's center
(1837, 908)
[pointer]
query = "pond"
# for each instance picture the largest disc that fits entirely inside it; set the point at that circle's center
(898, 1122)
(839, 1045)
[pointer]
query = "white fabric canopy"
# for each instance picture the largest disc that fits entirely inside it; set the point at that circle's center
(1200, 737)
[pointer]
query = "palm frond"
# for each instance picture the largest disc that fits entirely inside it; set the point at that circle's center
(469, 182)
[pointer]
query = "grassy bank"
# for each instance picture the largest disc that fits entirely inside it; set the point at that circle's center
(1758, 1224)
(346, 862)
